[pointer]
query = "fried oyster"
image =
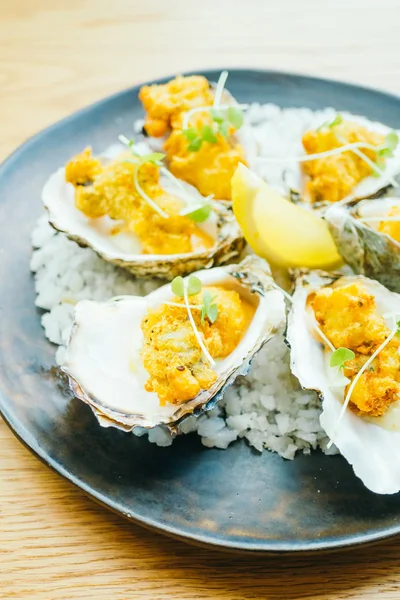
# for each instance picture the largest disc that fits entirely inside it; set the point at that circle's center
(209, 166)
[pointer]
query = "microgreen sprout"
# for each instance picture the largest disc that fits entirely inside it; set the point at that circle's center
(223, 129)
(153, 157)
(384, 151)
(377, 166)
(308, 157)
(219, 90)
(391, 143)
(193, 286)
(209, 308)
(337, 120)
(139, 160)
(217, 115)
(222, 116)
(334, 152)
(340, 356)
(194, 210)
(183, 288)
(395, 332)
(198, 213)
(208, 134)
(194, 138)
(126, 141)
(235, 116)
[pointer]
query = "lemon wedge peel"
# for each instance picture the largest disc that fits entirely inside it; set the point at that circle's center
(284, 233)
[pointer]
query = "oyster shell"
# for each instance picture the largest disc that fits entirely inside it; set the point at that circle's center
(370, 444)
(368, 251)
(123, 249)
(290, 172)
(103, 355)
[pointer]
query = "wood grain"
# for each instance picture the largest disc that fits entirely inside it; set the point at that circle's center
(56, 57)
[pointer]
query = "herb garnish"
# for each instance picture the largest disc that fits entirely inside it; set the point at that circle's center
(198, 212)
(235, 116)
(341, 356)
(391, 143)
(222, 117)
(193, 286)
(384, 151)
(220, 126)
(337, 120)
(209, 308)
(183, 288)
(395, 332)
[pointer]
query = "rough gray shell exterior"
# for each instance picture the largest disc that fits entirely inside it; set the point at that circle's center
(368, 252)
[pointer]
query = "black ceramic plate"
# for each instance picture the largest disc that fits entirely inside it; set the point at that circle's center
(234, 499)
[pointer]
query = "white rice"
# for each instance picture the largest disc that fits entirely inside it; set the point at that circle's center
(267, 407)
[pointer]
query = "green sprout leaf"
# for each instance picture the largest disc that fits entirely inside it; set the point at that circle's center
(392, 140)
(209, 308)
(398, 329)
(381, 163)
(208, 135)
(191, 134)
(385, 152)
(340, 356)
(124, 140)
(336, 121)
(235, 117)
(194, 285)
(200, 214)
(217, 115)
(212, 313)
(329, 124)
(195, 145)
(154, 157)
(194, 137)
(177, 286)
(223, 129)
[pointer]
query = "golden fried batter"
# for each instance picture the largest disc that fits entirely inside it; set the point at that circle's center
(82, 168)
(165, 103)
(348, 317)
(110, 190)
(391, 228)
(209, 169)
(333, 178)
(171, 354)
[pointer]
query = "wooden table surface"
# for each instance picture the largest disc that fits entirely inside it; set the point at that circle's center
(55, 57)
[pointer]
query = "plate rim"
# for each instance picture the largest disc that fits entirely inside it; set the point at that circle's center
(267, 547)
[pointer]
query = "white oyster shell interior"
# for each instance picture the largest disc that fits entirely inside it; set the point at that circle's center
(369, 445)
(374, 209)
(103, 354)
(58, 198)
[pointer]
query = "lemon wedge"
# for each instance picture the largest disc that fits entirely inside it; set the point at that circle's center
(278, 230)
